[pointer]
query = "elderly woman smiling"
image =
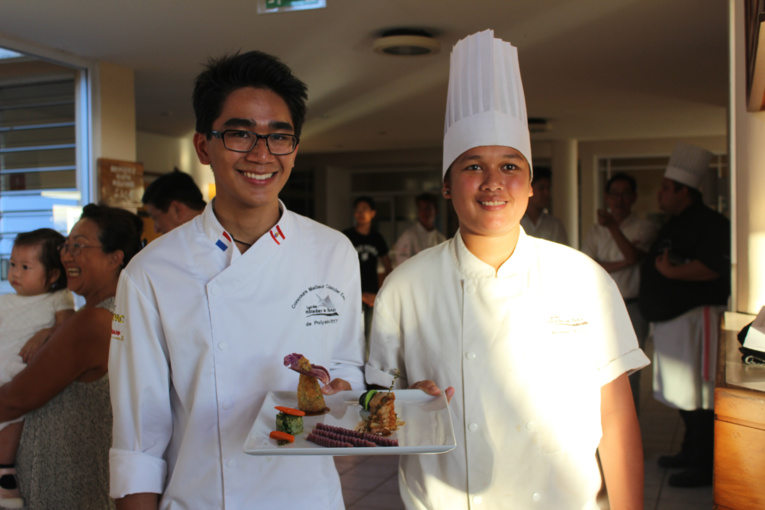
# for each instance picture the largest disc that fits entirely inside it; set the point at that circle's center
(62, 461)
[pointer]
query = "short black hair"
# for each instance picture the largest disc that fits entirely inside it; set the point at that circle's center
(48, 240)
(175, 185)
(366, 199)
(118, 229)
(256, 69)
(621, 176)
(695, 195)
(430, 198)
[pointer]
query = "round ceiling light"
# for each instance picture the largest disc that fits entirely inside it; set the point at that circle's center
(406, 43)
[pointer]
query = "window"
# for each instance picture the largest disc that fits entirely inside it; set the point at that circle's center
(39, 178)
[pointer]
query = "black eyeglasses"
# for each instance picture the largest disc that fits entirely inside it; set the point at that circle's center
(239, 140)
(74, 249)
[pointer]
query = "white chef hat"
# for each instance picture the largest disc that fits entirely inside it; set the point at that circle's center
(485, 104)
(688, 165)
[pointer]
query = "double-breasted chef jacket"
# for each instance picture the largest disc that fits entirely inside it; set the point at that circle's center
(527, 350)
(199, 337)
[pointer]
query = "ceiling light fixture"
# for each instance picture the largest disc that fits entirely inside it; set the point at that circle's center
(403, 42)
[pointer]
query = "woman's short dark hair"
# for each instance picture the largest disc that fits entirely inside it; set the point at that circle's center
(255, 69)
(48, 240)
(118, 229)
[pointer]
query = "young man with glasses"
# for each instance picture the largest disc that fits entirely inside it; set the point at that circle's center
(618, 242)
(208, 312)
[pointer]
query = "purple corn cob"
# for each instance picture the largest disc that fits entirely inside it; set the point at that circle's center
(327, 442)
(378, 440)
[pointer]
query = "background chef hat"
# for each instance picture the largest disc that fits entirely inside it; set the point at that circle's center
(485, 104)
(688, 165)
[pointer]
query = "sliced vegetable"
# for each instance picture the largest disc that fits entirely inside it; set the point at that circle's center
(317, 371)
(289, 410)
(282, 436)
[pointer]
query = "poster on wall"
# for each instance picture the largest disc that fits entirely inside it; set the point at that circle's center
(120, 183)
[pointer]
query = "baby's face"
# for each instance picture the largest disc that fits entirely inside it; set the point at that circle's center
(26, 273)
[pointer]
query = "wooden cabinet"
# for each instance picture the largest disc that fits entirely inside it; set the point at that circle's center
(739, 472)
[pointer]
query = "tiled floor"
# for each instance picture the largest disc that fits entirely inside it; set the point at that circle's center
(370, 482)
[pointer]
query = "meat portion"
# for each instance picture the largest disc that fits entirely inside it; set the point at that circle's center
(382, 414)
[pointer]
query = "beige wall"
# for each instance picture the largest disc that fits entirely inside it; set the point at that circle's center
(747, 154)
(160, 154)
(115, 104)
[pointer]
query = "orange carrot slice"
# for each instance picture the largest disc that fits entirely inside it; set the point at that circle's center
(282, 436)
(289, 410)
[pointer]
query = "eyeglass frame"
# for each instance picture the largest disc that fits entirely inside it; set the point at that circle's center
(221, 135)
(76, 248)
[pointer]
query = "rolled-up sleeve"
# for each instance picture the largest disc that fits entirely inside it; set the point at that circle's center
(139, 377)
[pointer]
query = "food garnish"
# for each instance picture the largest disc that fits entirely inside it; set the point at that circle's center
(289, 410)
(281, 437)
(365, 398)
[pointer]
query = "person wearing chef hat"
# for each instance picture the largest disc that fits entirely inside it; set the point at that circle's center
(533, 335)
(684, 287)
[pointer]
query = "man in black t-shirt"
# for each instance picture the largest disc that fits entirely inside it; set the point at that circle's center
(684, 288)
(370, 246)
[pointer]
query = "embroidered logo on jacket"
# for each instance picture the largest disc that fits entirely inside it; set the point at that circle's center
(116, 320)
(276, 234)
(563, 325)
(319, 310)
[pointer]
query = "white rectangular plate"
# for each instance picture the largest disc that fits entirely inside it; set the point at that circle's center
(427, 429)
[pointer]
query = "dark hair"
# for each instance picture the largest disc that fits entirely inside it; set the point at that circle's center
(621, 176)
(368, 200)
(255, 69)
(48, 240)
(429, 198)
(118, 229)
(542, 172)
(694, 194)
(175, 185)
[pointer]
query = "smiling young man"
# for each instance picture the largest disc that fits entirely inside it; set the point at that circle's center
(207, 313)
(533, 335)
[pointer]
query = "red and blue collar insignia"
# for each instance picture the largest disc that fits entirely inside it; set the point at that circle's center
(276, 234)
(220, 244)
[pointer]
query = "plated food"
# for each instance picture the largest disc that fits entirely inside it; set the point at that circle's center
(309, 395)
(428, 426)
(382, 419)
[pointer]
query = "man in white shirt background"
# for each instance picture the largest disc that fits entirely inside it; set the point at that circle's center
(422, 234)
(618, 242)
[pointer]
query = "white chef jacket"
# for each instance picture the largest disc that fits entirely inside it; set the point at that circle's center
(199, 336)
(527, 352)
(415, 239)
(600, 245)
(547, 227)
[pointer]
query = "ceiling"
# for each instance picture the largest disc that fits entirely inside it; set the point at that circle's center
(596, 69)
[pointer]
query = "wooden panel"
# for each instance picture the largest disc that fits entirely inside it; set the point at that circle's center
(741, 406)
(739, 467)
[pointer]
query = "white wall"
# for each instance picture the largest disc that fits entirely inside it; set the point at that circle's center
(747, 154)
